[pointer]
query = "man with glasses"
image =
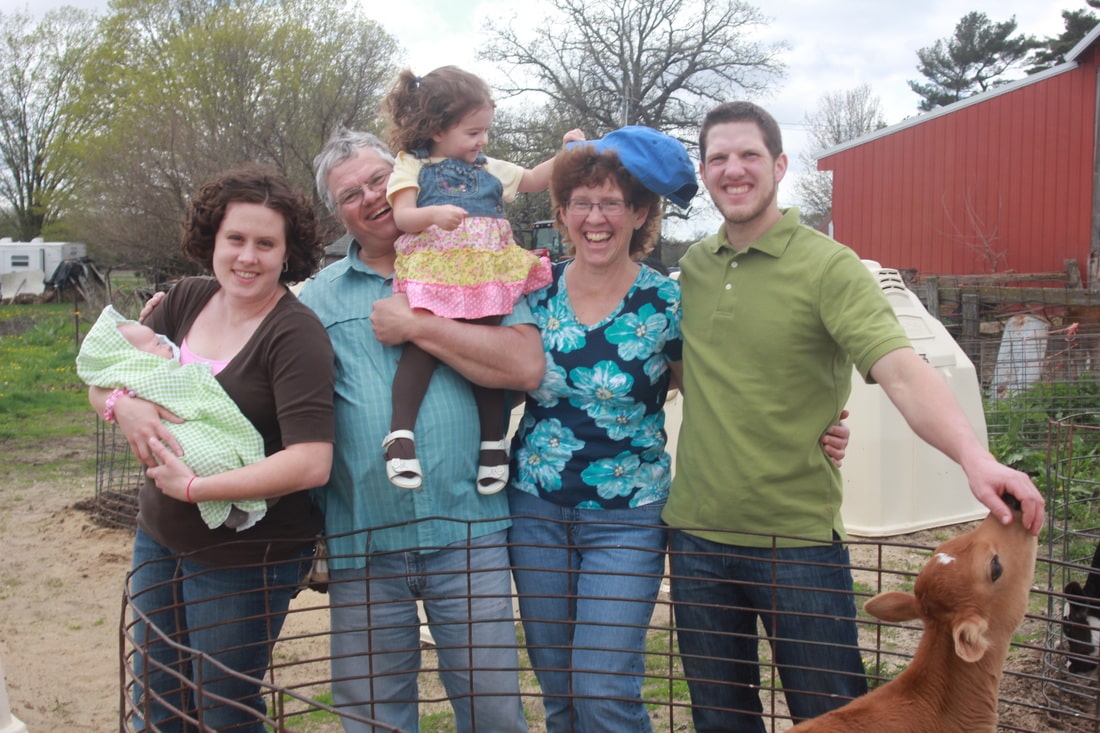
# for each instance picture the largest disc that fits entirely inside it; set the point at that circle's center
(444, 545)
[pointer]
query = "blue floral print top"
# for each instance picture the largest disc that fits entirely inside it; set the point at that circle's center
(592, 434)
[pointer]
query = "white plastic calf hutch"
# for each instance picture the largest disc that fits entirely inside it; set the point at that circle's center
(894, 482)
(8, 722)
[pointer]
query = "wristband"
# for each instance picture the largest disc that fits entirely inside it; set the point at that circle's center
(187, 491)
(109, 405)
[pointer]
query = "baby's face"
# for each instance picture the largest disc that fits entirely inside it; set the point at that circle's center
(145, 339)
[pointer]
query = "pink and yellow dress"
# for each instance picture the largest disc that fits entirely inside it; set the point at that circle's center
(477, 270)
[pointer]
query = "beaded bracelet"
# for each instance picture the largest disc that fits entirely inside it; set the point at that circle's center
(109, 405)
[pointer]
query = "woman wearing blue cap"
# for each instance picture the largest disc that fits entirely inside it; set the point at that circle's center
(591, 473)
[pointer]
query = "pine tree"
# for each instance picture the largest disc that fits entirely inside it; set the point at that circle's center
(975, 58)
(1052, 51)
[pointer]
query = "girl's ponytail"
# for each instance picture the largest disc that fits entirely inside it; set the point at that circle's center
(421, 107)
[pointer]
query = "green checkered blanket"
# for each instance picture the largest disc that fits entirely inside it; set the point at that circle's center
(215, 436)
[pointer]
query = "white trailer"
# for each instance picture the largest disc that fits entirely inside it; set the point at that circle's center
(20, 257)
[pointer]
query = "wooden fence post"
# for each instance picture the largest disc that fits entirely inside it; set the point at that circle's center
(932, 296)
(1073, 274)
(971, 325)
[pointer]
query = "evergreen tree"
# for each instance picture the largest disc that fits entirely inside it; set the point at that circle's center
(1052, 51)
(975, 58)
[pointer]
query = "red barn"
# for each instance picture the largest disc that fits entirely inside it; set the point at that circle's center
(1004, 181)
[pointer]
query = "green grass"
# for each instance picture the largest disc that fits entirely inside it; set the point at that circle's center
(438, 723)
(40, 395)
(664, 681)
(312, 719)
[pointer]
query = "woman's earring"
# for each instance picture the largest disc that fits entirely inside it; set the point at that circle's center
(286, 265)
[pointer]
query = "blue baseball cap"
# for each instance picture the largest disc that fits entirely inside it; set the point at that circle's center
(659, 161)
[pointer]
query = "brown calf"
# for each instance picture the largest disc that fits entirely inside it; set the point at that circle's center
(970, 597)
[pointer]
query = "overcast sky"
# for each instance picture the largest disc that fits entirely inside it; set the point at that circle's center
(833, 46)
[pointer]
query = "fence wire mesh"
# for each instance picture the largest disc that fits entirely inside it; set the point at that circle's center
(1038, 384)
(296, 684)
(118, 476)
(1069, 660)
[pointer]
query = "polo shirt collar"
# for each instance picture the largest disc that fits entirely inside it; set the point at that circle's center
(775, 240)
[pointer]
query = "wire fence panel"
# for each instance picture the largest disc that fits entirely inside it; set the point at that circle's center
(1036, 363)
(1036, 693)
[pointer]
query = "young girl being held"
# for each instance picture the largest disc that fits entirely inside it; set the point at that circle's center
(458, 257)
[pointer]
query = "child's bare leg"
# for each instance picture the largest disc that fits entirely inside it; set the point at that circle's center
(490, 412)
(492, 473)
(410, 383)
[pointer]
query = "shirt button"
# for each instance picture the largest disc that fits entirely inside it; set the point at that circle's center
(734, 264)
(728, 286)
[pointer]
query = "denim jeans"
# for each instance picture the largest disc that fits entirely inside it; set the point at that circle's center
(803, 597)
(230, 616)
(467, 594)
(587, 581)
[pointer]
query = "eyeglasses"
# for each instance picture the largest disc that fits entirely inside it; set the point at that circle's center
(353, 196)
(611, 207)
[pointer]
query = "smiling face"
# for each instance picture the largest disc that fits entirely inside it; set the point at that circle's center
(601, 236)
(466, 139)
(743, 179)
(249, 250)
(358, 186)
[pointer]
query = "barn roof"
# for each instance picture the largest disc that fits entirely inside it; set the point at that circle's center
(1069, 65)
(1084, 44)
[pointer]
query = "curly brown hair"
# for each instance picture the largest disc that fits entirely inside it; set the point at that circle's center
(422, 107)
(580, 165)
(254, 184)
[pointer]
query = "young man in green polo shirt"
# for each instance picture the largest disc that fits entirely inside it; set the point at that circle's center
(775, 316)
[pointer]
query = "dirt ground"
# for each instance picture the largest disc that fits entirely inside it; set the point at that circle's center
(60, 596)
(61, 578)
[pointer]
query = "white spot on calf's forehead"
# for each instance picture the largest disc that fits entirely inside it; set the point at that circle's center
(944, 559)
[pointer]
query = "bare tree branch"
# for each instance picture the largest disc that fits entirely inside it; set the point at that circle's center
(40, 67)
(977, 234)
(608, 63)
(840, 117)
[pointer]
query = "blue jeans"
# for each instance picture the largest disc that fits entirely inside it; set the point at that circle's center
(587, 581)
(467, 594)
(803, 597)
(230, 616)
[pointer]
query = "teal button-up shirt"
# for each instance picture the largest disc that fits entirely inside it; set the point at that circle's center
(358, 497)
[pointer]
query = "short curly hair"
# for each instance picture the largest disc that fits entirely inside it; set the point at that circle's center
(580, 165)
(254, 184)
(419, 108)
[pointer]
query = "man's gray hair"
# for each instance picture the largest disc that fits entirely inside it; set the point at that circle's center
(343, 145)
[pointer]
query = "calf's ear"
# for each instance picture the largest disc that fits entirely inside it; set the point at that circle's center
(893, 606)
(970, 641)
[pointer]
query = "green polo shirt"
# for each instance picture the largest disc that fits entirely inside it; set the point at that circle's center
(770, 337)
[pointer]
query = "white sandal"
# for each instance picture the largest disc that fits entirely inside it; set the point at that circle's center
(404, 473)
(491, 479)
